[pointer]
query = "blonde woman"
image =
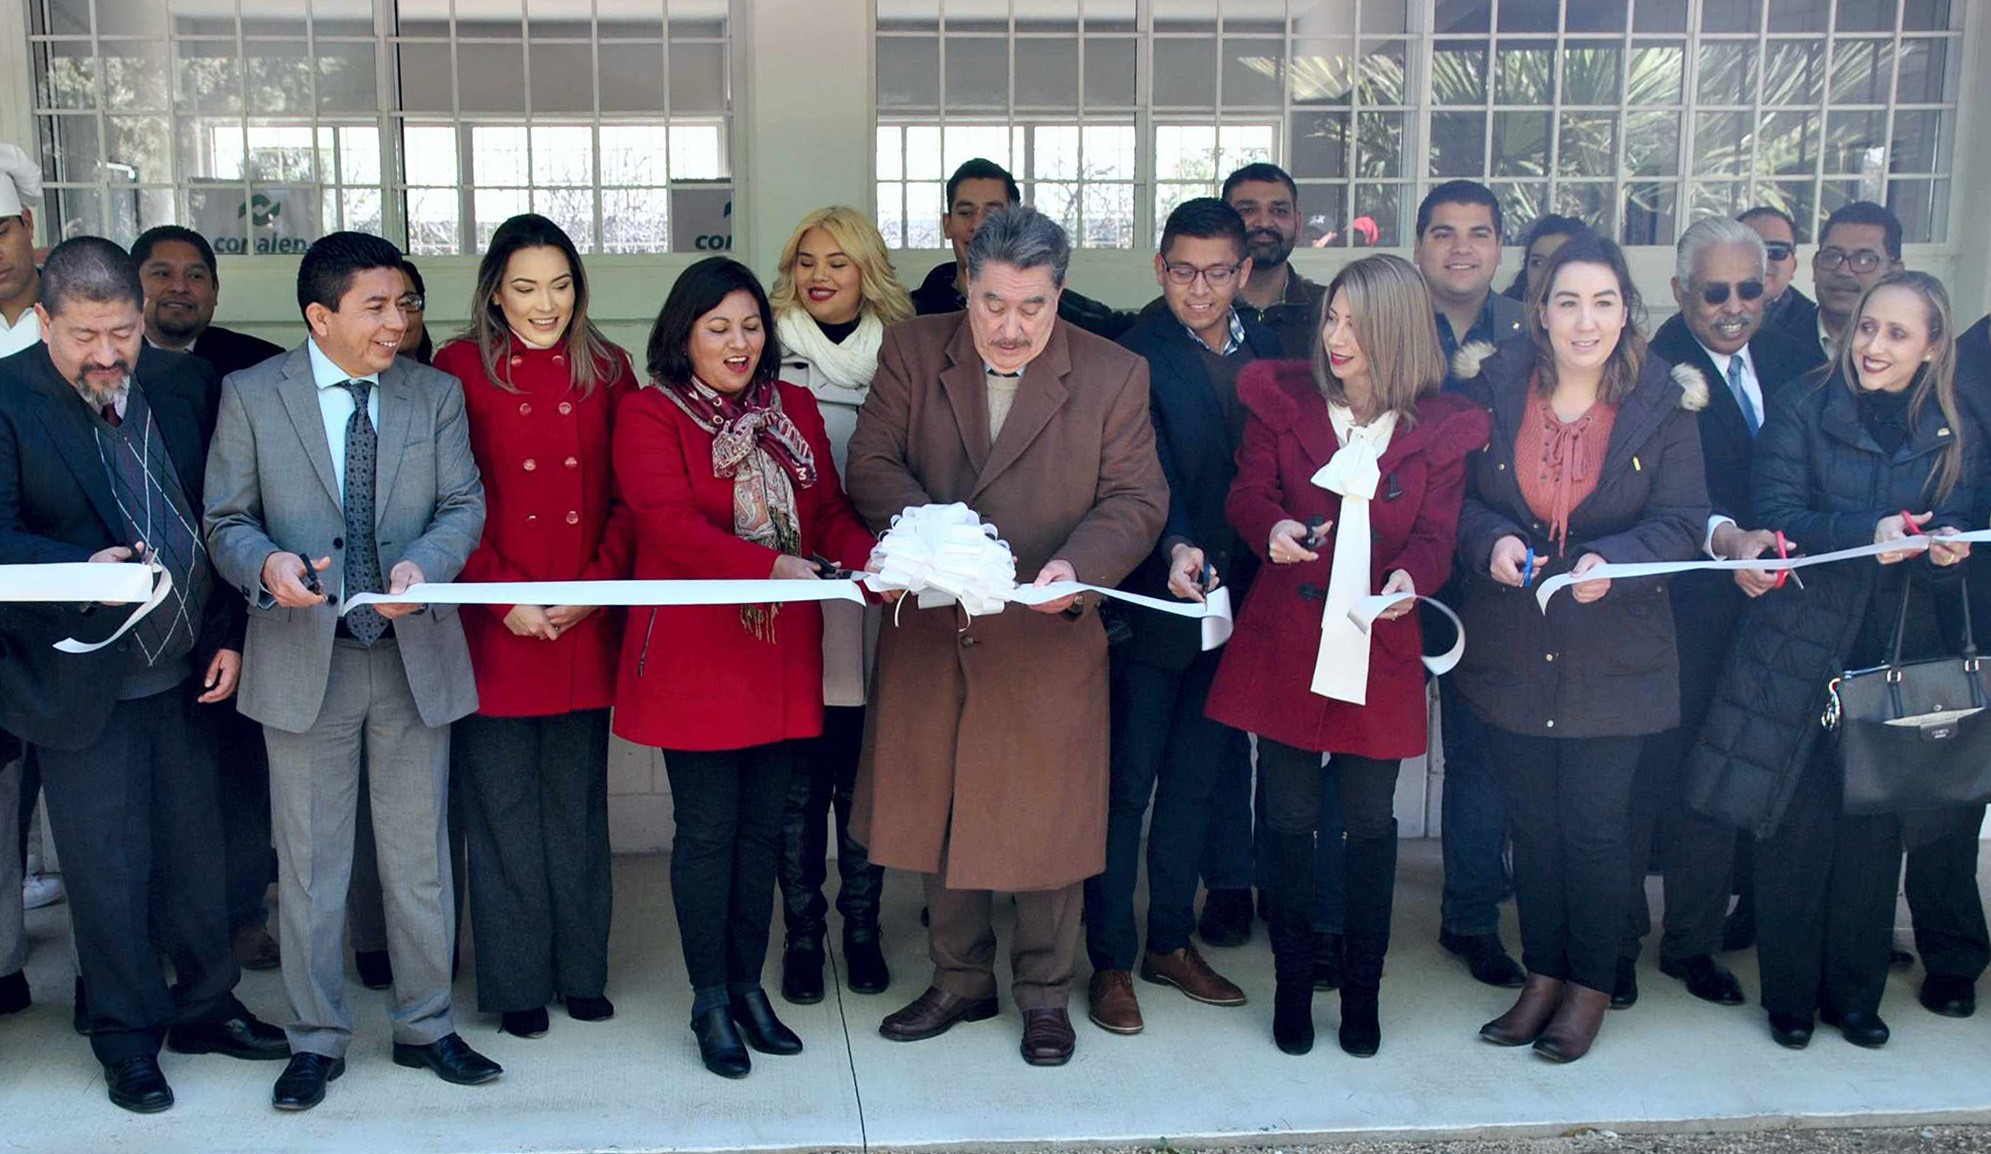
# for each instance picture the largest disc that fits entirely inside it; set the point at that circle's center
(834, 293)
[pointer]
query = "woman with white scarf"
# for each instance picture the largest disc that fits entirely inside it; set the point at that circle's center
(1349, 482)
(834, 293)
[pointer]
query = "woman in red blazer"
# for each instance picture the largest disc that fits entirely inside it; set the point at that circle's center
(728, 474)
(540, 384)
(1298, 673)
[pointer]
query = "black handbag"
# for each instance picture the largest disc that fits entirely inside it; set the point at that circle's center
(1914, 735)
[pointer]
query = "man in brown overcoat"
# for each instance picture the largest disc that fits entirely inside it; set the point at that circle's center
(985, 760)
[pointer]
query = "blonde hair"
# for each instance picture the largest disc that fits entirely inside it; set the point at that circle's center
(878, 284)
(1935, 380)
(1399, 334)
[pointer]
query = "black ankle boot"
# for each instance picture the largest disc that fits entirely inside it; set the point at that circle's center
(1290, 891)
(758, 1025)
(1371, 897)
(864, 966)
(719, 1043)
(802, 971)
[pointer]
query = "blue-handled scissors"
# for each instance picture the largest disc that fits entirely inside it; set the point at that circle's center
(1528, 569)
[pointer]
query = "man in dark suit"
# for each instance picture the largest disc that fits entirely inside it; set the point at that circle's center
(1719, 284)
(101, 454)
(182, 285)
(1860, 243)
(1784, 307)
(1160, 676)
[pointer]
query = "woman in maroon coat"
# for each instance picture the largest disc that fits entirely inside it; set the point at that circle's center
(539, 386)
(1298, 673)
(728, 474)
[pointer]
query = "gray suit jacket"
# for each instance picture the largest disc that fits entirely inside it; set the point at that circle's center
(271, 488)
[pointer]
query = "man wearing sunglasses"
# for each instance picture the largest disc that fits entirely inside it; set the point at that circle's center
(1860, 243)
(1722, 286)
(1783, 303)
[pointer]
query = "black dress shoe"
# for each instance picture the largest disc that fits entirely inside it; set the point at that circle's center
(1861, 1028)
(1738, 930)
(719, 1043)
(1791, 1031)
(14, 995)
(1328, 953)
(451, 1058)
(865, 971)
(376, 972)
(1226, 920)
(1624, 989)
(758, 1025)
(524, 1023)
(585, 1009)
(1486, 958)
(1706, 979)
(137, 1085)
(246, 1037)
(302, 1083)
(802, 973)
(1950, 997)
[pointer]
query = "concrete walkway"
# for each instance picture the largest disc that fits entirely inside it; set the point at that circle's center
(1199, 1075)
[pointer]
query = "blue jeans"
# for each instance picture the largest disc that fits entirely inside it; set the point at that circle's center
(1166, 749)
(1475, 819)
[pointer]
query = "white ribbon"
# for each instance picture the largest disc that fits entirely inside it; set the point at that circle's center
(1608, 570)
(760, 592)
(1369, 608)
(84, 581)
(1341, 669)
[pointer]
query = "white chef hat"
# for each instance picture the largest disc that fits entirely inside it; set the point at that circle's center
(20, 180)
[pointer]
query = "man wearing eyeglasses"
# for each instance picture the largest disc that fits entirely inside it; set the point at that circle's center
(1860, 243)
(1722, 286)
(1195, 345)
(1783, 304)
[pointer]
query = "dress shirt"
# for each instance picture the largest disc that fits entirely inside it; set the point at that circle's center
(1234, 339)
(335, 402)
(1825, 340)
(20, 334)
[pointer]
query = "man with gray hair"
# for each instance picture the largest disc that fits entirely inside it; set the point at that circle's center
(102, 443)
(985, 762)
(1719, 278)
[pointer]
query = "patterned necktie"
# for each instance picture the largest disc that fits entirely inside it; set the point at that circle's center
(1749, 416)
(362, 551)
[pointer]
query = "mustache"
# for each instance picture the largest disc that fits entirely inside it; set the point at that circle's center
(111, 367)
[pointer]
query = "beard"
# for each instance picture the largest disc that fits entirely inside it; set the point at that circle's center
(177, 325)
(97, 394)
(1268, 248)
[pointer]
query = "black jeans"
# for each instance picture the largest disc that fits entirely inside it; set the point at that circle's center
(825, 779)
(727, 807)
(1825, 900)
(137, 817)
(1164, 748)
(1569, 814)
(1698, 853)
(536, 799)
(1292, 783)
(1946, 906)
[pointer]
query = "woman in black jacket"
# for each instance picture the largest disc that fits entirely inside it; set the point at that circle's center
(1847, 459)
(1594, 457)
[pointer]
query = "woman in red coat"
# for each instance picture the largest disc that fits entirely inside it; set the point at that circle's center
(1298, 673)
(540, 384)
(728, 474)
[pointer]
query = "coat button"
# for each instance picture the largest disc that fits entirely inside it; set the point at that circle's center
(1548, 657)
(517, 360)
(967, 641)
(573, 462)
(532, 518)
(530, 464)
(1551, 723)
(338, 542)
(559, 358)
(525, 408)
(566, 407)
(573, 517)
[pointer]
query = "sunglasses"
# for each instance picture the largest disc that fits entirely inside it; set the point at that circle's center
(1780, 251)
(1717, 294)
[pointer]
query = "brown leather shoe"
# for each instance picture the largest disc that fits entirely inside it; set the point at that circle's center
(1186, 970)
(1112, 1004)
(255, 949)
(1574, 1027)
(933, 1014)
(1048, 1039)
(1523, 1023)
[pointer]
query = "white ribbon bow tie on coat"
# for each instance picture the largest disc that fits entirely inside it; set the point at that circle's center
(1341, 670)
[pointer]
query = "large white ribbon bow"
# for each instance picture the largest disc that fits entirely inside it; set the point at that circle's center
(1341, 670)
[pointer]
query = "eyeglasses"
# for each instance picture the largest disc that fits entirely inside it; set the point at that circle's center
(1865, 260)
(1779, 251)
(1216, 276)
(1717, 293)
(412, 303)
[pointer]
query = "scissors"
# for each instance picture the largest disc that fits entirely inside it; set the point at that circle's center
(829, 570)
(1314, 526)
(311, 582)
(1784, 554)
(1528, 568)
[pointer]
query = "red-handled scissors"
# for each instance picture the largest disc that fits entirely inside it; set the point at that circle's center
(1908, 524)
(1784, 554)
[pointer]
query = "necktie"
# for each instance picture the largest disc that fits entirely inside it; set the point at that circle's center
(1749, 414)
(111, 414)
(362, 551)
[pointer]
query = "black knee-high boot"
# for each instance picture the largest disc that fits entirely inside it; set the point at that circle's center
(1290, 888)
(1371, 890)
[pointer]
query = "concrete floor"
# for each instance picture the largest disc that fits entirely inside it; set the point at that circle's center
(1200, 1075)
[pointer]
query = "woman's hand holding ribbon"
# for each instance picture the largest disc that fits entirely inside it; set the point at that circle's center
(1587, 591)
(1942, 553)
(1185, 572)
(1289, 543)
(1898, 527)
(789, 567)
(1399, 582)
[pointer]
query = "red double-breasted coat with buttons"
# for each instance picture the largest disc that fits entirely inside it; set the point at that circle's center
(694, 677)
(552, 514)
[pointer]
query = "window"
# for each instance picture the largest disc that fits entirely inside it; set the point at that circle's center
(1635, 115)
(265, 123)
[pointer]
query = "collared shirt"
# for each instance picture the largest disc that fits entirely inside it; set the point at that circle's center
(1233, 341)
(186, 348)
(21, 334)
(1481, 330)
(336, 404)
(1752, 385)
(1825, 340)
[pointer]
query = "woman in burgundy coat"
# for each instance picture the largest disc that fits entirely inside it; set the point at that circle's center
(1298, 673)
(729, 475)
(540, 384)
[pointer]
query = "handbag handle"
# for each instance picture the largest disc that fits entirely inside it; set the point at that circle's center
(1893, 675)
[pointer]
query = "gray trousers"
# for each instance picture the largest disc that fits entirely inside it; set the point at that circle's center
(369, 712)
(13, 923)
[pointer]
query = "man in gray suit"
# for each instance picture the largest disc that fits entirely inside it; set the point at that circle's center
(339, 444)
